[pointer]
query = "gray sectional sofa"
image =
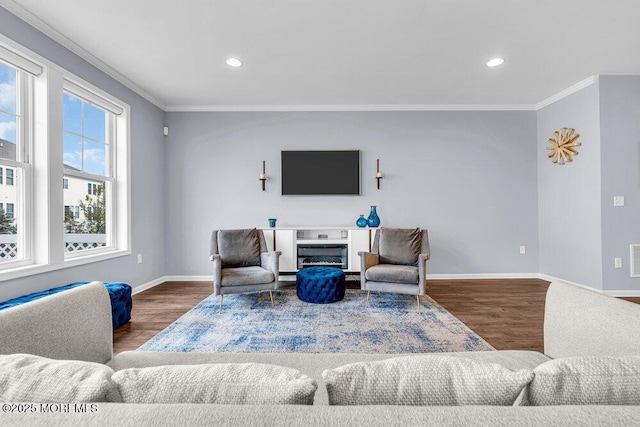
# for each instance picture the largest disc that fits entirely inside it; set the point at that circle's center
(584, 331)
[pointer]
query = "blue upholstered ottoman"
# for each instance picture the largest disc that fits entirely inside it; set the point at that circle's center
(121, 302)
(320, 285)
(120, 294)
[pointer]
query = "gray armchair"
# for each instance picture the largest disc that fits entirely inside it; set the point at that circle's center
(397, 262)
(241, 263)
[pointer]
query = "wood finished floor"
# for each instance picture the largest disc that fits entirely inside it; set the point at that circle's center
(507, 313)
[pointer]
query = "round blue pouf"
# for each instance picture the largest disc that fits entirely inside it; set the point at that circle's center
(320, 285)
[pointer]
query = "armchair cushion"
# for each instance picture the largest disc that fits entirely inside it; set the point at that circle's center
(400, 246)
(392, 273)
(239, 248)
(244, 276)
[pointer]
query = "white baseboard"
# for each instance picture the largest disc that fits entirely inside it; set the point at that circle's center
(148, 285)
(482, 276)
(188, 278)
(613, 293)
(163, 279)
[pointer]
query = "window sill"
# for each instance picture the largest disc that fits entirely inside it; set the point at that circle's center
(33, 269)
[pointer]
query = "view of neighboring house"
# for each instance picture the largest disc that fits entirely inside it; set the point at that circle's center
(7, 179)
(75, 190)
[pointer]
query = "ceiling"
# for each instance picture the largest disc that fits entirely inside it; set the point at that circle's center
(345, 54)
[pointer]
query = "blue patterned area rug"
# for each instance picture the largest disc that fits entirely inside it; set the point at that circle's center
(248, 324)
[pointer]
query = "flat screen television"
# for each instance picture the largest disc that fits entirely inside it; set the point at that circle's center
(321, 172)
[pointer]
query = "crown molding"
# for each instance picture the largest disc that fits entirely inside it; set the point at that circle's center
(63, 40)
(566, 92)
(398, 107)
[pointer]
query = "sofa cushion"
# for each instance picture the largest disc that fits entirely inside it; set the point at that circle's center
(392, 273)
(239, 248)
(586, 381)
(425, 381)
(399, 246)
(29, 378)
(223, 383)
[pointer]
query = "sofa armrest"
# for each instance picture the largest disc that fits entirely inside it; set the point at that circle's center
(270, 261)
(217, 273)
(582, 322)
(422, 273)
(74, 324)
(367, 260)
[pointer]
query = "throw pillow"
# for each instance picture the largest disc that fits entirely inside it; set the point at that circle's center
(400, 246)
(586, 381)
(223, 383)
(29, 378)
(239, 248)
(425, 381)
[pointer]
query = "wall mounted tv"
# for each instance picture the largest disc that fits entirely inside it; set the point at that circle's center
(321, 172)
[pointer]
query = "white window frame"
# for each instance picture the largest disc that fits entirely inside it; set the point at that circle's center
(21, 167)
(42, 206)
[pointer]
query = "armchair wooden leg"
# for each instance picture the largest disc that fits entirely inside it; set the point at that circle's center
(271, 295)
(418, 300)
(367, 302)
(221, 298)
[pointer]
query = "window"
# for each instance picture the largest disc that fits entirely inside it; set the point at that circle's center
(15, 101)
(89, 139)
(48, 120)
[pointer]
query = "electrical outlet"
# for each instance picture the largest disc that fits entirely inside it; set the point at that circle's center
(618, 200)
(618, 262)
(139, 258)
(523, 250)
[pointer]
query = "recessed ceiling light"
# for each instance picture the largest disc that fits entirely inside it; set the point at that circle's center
(234, 62)
(495, 62)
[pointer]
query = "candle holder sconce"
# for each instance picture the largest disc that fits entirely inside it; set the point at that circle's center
(263, 176)
(379, 175)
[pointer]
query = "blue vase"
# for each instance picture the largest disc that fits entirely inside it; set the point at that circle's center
(373, 220)
(362, 221)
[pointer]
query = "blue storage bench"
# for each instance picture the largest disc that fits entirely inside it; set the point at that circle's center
(120, 294)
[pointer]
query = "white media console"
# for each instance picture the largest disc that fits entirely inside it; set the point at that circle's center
(307, 246)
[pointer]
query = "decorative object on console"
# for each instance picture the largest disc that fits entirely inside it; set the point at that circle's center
(362, 221)
(272, 222)
(562, 146)
(263, 175)
(373, 220)
(379, 175)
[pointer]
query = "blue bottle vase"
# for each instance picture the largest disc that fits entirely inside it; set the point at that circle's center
(362, 221)
(373, 220)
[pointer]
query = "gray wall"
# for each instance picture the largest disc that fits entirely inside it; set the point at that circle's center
(569, 196)
(147, 158)
(620, 152)
(468, 177)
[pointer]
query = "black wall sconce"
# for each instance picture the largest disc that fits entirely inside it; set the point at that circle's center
(378, 173)
(263, 175)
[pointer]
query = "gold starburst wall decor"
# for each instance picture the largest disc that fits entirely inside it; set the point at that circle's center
(563, 143)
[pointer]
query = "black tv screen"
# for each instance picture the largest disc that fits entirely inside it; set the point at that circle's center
(321, 172)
